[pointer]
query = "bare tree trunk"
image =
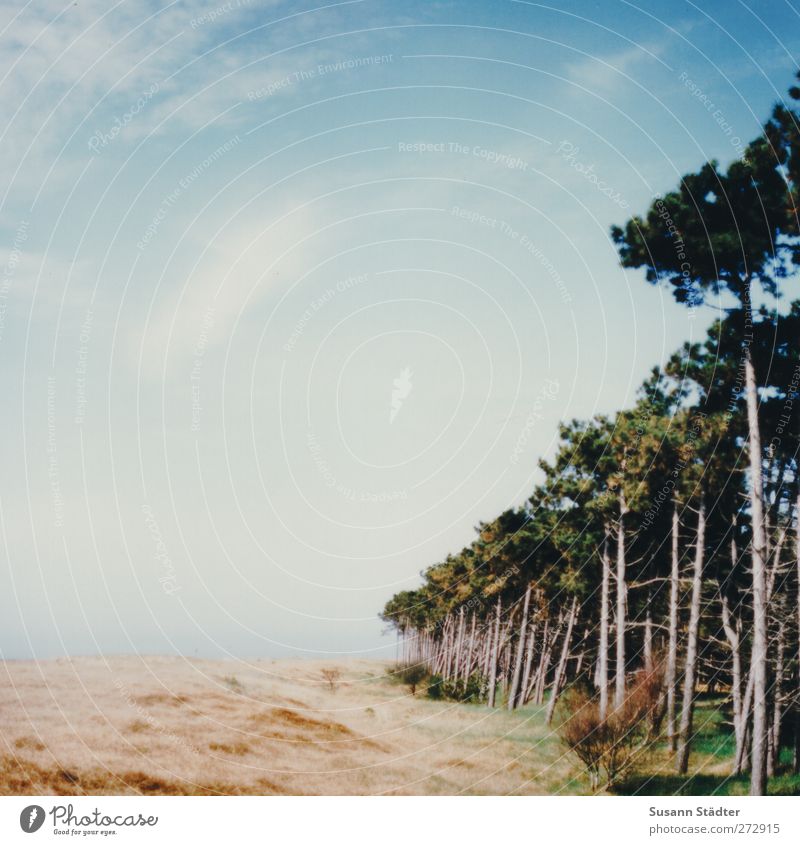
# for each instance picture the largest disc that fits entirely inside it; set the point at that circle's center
(447, 640)
(581, 653)
(487, 650)
(774, 726)
(526, 675)
(495, 650)
(648, 633)
(687, 708)
(544, 660)
(758, 777)
(732, 632)
(619, 685)
(742, 762)
(472, 655)
(459, 644)
(797, 690)
(672, 653)
(562, 663)
(602, 658)
(777, 712)
(505, 640)
(441, 652)
(523, 626)
(443, 649)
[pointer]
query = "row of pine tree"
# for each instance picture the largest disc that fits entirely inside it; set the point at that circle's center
(668, 533)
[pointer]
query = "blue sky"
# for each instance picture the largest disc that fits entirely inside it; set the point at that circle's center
(294, 295)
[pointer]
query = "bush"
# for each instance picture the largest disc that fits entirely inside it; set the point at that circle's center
(613, 746)
(410, 674)
(435, 687)
(232, 682)
(331, 677)
(467, 690)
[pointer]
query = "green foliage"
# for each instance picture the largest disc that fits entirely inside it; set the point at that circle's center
(410, 674)
(469, 690)
(718, 230)
(435, 687)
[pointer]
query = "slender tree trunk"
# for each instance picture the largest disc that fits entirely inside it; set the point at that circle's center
(506, 657)
(619, 685)
(758, 778)
(687, 708)
(672, 652)
(526, 675)
(602, 658)
(773, 736)
(472, 651)
(487, 651)
(459, 646)
(648, 633)
(495, 652)
(775, 720)
(506, 664)
(732, 630)
(777, 712)
(562, 663)
(742, 762)
(544, 660)
(441, 652)
(446, 639)
(523, 626)
(797, 690)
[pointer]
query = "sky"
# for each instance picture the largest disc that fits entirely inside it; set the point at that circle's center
(294, 295)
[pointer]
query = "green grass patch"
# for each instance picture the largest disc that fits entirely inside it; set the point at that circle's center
(710, 762)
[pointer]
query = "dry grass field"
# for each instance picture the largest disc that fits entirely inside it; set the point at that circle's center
(169, 725)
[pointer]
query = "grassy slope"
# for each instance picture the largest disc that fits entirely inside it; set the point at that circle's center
(175, 726)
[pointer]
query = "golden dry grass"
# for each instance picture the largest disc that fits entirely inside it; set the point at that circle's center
(159, 725)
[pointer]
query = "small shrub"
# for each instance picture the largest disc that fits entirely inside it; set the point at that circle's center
(233, 684)
(435, 687)
(410, 674)
(331, 677)
(612, 746)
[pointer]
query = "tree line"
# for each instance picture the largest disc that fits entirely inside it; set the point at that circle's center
(663, 539)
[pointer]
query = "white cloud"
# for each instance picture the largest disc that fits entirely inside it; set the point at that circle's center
(233, 274)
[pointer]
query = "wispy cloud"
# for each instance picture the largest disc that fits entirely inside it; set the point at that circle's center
(73, 70)
(231, 275)
(605, 73)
